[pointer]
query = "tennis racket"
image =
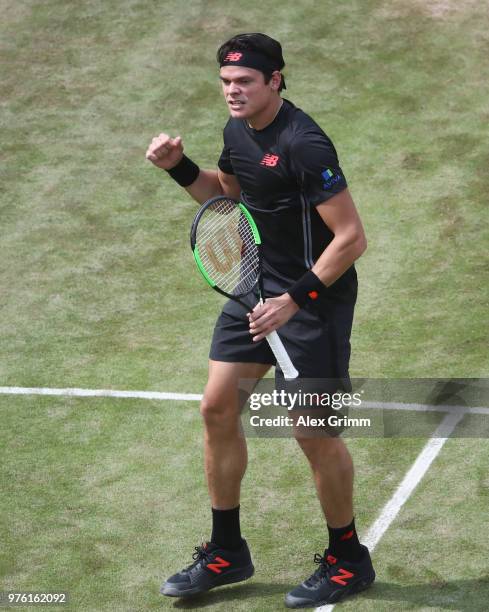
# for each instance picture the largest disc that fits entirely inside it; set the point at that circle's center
(227, 249)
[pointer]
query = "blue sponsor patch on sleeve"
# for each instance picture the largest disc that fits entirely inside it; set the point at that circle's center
(330, 178)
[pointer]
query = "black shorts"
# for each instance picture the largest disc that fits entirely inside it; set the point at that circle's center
(317, 339)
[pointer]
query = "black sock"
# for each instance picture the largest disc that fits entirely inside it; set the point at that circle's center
(226, 531)
(344, 544)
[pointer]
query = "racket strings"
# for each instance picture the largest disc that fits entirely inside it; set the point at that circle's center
(227, 248)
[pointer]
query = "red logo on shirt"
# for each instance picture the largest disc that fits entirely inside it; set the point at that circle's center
(233, 56)
(269, 160)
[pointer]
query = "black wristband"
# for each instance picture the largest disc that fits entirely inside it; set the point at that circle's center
(185, 172)
(306, 289)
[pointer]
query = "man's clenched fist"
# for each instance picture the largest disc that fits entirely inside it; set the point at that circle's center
(165, 152)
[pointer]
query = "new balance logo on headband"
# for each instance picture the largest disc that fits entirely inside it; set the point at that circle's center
(233, 56)
(269, 160)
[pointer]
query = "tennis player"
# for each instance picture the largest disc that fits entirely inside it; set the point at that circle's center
(285, 169)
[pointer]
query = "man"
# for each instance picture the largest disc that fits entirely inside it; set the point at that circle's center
(283, 167)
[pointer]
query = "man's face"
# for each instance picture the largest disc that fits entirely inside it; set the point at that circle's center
(245, 91)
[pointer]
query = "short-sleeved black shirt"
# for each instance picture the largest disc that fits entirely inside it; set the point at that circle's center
(285, 171)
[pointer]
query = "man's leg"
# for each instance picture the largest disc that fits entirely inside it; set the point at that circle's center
(226, 558)
(332, 468)
(346, 567)
(225, 454)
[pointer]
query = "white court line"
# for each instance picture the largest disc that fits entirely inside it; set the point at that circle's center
(407, 486)
(424, 407)
(152, 395)
(156, 395)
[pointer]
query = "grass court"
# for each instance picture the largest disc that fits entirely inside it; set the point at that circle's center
(105, 497)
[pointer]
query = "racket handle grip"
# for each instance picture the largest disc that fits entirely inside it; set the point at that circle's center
(282, 356)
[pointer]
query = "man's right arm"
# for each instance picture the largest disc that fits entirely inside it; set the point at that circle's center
(211, 183)
(166, 153)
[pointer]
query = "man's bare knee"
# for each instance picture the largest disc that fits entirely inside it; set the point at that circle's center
(319, 449)
(215, 411)
(223, 398)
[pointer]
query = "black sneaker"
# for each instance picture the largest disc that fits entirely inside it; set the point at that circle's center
(333, 580)
(213, 567)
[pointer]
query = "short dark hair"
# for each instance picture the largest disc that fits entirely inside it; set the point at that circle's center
(255, 42)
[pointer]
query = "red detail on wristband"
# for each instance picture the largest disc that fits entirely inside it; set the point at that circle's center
(313, 295)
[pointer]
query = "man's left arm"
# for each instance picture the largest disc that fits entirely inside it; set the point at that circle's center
(340, 215)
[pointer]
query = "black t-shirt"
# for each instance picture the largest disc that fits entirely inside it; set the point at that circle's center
(285, 171)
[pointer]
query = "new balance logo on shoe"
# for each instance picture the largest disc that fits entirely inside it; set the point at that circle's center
(343, 578)
(216, 567)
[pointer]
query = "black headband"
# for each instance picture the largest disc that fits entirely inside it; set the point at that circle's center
(250, 59)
